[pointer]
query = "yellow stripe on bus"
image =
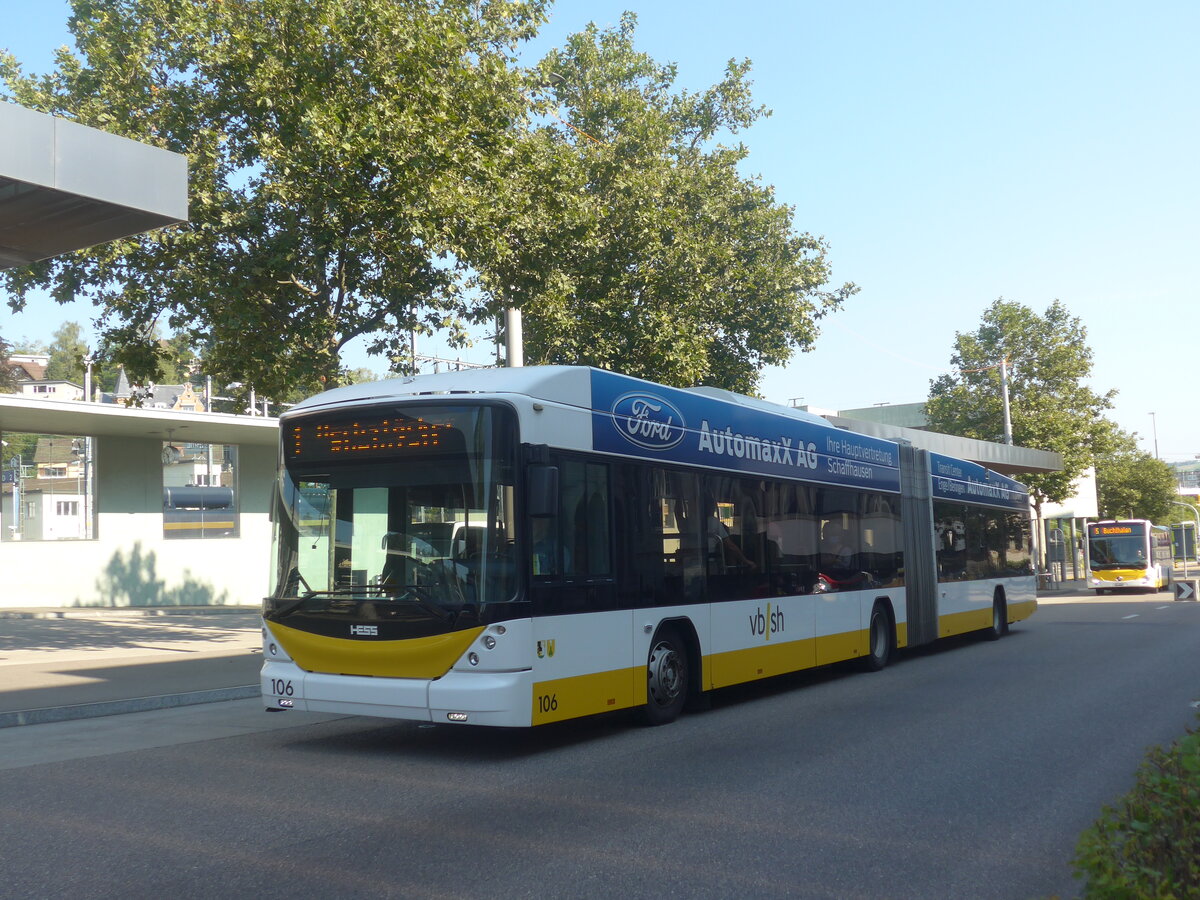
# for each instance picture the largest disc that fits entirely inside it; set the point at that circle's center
(963, 622)
(586, 695)
(427, 657)
(1019, 611)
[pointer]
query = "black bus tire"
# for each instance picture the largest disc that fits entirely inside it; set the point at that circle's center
(879, 640)
(999, 626)
(667, 677)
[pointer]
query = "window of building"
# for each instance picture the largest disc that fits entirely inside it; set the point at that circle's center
(199, 491)
(48, 487)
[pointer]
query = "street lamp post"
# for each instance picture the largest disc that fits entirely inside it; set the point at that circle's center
(1154, 428)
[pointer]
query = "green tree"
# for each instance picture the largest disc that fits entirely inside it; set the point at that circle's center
(178, 360)
(67, 351)
(1051, 407)
(8, 378)
(629, 239)
(329, 144)
(381, 167)
(1133, 484)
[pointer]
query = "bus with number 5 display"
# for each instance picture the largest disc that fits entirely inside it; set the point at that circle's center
(1129, 554)
(515, 547)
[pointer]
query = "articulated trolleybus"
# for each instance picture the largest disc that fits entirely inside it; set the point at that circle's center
(1129, 554)
(522, 546)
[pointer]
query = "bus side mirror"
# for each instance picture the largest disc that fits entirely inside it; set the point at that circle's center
(543, 491)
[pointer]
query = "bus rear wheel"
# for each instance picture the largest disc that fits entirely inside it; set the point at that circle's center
(667, 676)
(999, 626)
(879, 650)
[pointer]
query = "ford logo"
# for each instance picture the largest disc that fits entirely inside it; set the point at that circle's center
(648, 421)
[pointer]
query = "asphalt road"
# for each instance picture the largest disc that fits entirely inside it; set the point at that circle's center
(966, 771)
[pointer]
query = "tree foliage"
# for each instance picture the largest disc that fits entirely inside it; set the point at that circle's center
(329, 144)
(67, 352)
(8, 377)
(369, 168)
(1133, 484)
(1051, 407)
(634, 243)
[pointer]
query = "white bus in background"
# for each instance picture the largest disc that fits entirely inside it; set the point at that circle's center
(609, 544)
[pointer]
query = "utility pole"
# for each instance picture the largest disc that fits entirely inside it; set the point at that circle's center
(1154, 427)
(1004, 395)
(514, 346)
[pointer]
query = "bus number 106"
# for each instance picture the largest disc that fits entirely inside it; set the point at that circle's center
(281, 687)
(548, 702)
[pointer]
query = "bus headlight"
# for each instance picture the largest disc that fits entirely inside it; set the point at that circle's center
(473, 658)
(489, 642)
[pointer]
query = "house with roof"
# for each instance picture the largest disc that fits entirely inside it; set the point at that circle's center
(176, 397)
(30, 370)
(48, 501)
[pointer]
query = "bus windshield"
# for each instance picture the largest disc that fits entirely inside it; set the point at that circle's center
(408, 508)
(1119, 551)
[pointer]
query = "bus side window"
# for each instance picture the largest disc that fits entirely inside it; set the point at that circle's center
(576, 541)
(584, 516)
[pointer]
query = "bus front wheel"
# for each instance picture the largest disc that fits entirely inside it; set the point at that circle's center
(666, 678)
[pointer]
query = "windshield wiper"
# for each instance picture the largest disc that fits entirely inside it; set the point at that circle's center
(370, 591)
(294, 603)
(413, 595)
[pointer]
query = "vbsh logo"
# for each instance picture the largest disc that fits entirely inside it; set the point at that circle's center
(767, 624)
(648, 421)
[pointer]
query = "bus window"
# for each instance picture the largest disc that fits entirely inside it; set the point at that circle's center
(735, 542)
(791, 538)
(839, 521)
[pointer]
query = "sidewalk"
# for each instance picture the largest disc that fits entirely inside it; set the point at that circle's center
(61, 664)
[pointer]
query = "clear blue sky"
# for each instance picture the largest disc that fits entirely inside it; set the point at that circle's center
(950, 154)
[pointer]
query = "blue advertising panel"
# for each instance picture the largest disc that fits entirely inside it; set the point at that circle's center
(631, 417)
(956, 479)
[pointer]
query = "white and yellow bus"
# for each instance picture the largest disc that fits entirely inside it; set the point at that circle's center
(1129, 554)
(514, 547)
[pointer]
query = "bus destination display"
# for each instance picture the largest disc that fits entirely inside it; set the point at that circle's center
(319, 440)
(1106, 530)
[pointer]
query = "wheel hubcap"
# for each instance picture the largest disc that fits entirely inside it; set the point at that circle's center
(665, 674)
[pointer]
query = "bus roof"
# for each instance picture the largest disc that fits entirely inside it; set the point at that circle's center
(634, 417)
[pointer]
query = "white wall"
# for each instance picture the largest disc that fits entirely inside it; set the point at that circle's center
(129, 563)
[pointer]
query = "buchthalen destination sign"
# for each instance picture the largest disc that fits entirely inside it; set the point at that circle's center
(636, 418)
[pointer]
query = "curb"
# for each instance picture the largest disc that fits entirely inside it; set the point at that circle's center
(118, 707)
(101, 612)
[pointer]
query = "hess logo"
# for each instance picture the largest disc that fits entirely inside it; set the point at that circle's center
(648, 421)
(368, 630)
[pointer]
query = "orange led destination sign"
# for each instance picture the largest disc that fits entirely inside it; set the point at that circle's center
(362, 437)
(1113, 529)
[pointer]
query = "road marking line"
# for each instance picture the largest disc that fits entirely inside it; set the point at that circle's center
(1162, 607)
(1134, 616)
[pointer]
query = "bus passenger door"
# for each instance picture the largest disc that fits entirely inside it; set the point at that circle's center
(584, 642)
